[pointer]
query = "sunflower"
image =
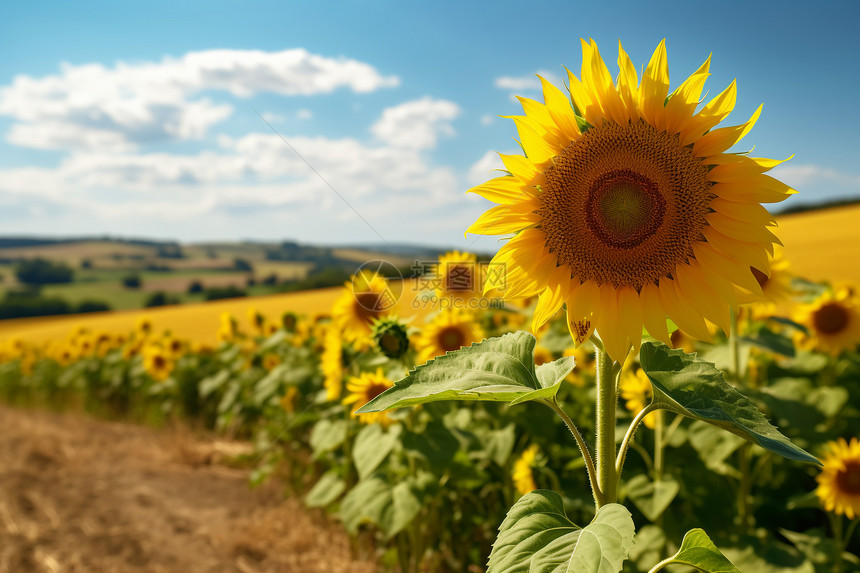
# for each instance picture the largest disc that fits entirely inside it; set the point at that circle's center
(157, 362)
(270, 361)
(839, 480)
(524, 479)
(364, 388)
(543, 355)
(627, 207)
(776, 287)
(450, 330)
(584, 360)
(833, 322)
(459, 279)
(636, 390)
(366, 297)
(334, 362)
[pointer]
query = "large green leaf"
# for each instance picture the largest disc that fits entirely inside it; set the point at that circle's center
(536, 536)
(652, 497)
(497, 369)
(697, 550)
(688, 385)
(328, 435)
(378, 501)
(604, 543)
(326, 490)
(372, 446)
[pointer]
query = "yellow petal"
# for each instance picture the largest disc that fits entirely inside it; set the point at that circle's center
(608, 326)
(583, 300)
(655, 88)
(537, 149)
(749, 254)
(585, 103)
(628, 83)
(719, 140)
(630, 316)
(503, 190)
(713, 113)
(520, 167)
(551, 298)
(681, 312)
(748, 232)
(596, 76)
(748, 212)
(738, 273)
(757, 189)
(505, 219)
(653, 313)
(558, 107)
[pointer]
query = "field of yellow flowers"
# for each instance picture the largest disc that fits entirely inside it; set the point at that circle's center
(289, 373)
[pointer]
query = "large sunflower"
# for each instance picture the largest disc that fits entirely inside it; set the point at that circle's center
(364, 298)
(627, 207)
(832, 321)
(459, 278)
(450, 330)
(364, 388)
(839, 480)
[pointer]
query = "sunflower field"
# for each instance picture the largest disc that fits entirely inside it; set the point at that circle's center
(649, 386)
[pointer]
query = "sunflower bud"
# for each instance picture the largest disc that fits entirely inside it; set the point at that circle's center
(391, 337)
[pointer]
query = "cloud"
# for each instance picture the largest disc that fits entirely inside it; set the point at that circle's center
(483, 168)
(799, 176)
(118, 108)
(486, 120)
(416, 124)
(527, 82)
(304, 114)
(272, 117)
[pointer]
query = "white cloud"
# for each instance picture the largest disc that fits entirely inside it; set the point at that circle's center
(486, 120)
(91, 106)
(804, 175)
(416, 124)
(272, 117)
(304, 114)
(527, 82)
(483, 168)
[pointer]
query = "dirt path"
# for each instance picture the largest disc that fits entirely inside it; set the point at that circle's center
(81, 495)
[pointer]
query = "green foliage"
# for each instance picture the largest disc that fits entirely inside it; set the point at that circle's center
(43, 272)
(697, 550)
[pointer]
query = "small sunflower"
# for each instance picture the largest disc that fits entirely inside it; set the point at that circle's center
(270, 360)
(839, 480)
(833, 321)
(627, 206)
(776, 288)
(451, 330)
(459, 278)
(543, 355)
(584, 359)
(157, 362)
(636, 390)
(364, 388)
(524, 479)
(365, 298)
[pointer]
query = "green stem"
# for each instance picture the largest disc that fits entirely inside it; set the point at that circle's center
(660, 565)
(607, 397)
(744, 517)
(583, 448)
(625, 443)
(659, 446)
(838, 525)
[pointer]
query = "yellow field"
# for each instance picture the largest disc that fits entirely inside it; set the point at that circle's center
(823, 245)
(198, 322)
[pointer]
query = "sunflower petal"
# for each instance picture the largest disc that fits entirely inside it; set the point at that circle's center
(505, 190)
(520, 167)
(558, 107)
(738, 273)
(551, 299)
(585, 104)
(653, 313)
(608, 326)
(504, 219)
(630, 316)
(747, 212)
(537, 149)
(749, 254)
(596, 77)
(628, 83)
(681, 312)
(655, 88)
(719, 140)
(713, 113)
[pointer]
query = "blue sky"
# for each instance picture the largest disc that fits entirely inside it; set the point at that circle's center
(141, 119)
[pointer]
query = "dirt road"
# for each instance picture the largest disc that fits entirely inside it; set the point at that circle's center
(82, 495)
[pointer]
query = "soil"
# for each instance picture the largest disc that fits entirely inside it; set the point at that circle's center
(84, 495)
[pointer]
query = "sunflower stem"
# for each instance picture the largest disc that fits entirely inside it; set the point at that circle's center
(608, 372)
(628, 436)
(734, 346)
(583, 448)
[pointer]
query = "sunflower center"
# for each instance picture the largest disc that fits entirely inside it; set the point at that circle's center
(848, 480)
(624, 204)
(451, 338)
(158, 362)
(831, 318)
(368, 305)
(374, 389)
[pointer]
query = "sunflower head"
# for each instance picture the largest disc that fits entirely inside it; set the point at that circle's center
(636, 389)
(627, 207)
(391, 337)
(450, 330)
(289, 321)
(364, 388)
(157, 362)
(523, 474)
(365, 298)
(839, 480)
(459, 277)
(543, 355)
(832, 321)
(335, 361)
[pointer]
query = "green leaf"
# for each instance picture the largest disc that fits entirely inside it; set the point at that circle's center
(652, 497)
(327, 489)
(498, 369)
(604, 543)
(770, 341)
(436, 444)
(377, 501)
(372, 446)
(327, 435)
(697, 550)
(535, 536)
(687, 385)
(714, 447)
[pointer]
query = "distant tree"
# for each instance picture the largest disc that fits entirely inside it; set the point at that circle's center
(43, 272)
(86, 264)
(242, 265)
(132, 281)
(270, 280)
(170, 251)
(159, 298)
(224, 292)
(91, 306)
(195, 287)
